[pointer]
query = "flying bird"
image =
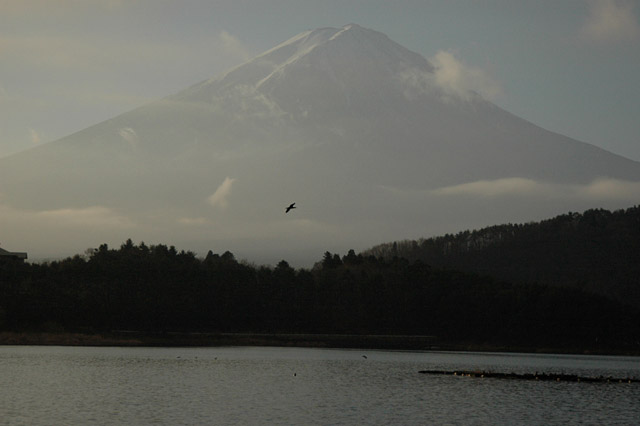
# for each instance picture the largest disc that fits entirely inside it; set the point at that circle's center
(292, 206)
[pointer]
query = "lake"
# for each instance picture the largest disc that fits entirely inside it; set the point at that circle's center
(52, 385)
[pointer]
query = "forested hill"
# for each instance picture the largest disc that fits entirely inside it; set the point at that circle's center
(597, 251)
(159, 290)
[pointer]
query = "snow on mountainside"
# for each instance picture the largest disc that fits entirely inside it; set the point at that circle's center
(337, 55)
(350, 124)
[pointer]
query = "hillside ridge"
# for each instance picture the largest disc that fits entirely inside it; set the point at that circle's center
(597, 251)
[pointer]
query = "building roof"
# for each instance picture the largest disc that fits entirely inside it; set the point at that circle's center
(19, 255)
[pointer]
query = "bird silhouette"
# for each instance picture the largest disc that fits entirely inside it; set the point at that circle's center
(292, 206)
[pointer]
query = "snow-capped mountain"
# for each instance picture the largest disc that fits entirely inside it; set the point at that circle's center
(348, 123)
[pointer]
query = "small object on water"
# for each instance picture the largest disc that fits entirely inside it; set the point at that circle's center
(537, 376)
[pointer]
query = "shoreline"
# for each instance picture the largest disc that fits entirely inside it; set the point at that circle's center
(337, 341)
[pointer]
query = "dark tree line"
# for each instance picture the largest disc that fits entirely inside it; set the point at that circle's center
(158, 289)
(597, 251)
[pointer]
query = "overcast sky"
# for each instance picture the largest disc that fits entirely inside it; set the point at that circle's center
(569, 66)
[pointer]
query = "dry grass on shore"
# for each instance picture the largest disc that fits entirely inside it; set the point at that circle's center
(64, 339)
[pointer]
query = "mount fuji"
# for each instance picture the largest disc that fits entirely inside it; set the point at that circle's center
(354, 128)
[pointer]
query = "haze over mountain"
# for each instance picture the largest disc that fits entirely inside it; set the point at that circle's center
(370, 140)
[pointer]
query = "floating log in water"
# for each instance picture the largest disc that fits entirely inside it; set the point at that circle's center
(549, 377)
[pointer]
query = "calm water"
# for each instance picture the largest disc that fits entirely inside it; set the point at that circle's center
(225, 386)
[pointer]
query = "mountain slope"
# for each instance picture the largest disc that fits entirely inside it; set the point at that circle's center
(347, 122)
(597, 251)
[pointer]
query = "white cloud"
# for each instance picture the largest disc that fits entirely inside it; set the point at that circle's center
(35, 136)
(219, 198)
(61, 232)
(610, 189)
(452, 78)
(130, 136)
(233, 46)
(64, 219)
(95, 216)
(50, 75)
(496, 188)
(599, 189)
(610, 21)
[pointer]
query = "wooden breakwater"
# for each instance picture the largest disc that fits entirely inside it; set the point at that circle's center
(548, 377)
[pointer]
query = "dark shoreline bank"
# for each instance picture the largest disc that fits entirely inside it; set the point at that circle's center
(344, 341)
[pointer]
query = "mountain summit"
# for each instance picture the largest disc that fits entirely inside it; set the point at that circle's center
(354, 126)
(317, 72)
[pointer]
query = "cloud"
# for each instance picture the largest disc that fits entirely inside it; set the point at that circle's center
(68, 32)
(130, 136)
(496, 188)
(219, 198)
(451, 77)
(52, 74)
(95, 216)
(599, 189)
(610, 189)
(35, 137)
(66, 218)
(610, 21)
(232, 45)
(65, 231)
